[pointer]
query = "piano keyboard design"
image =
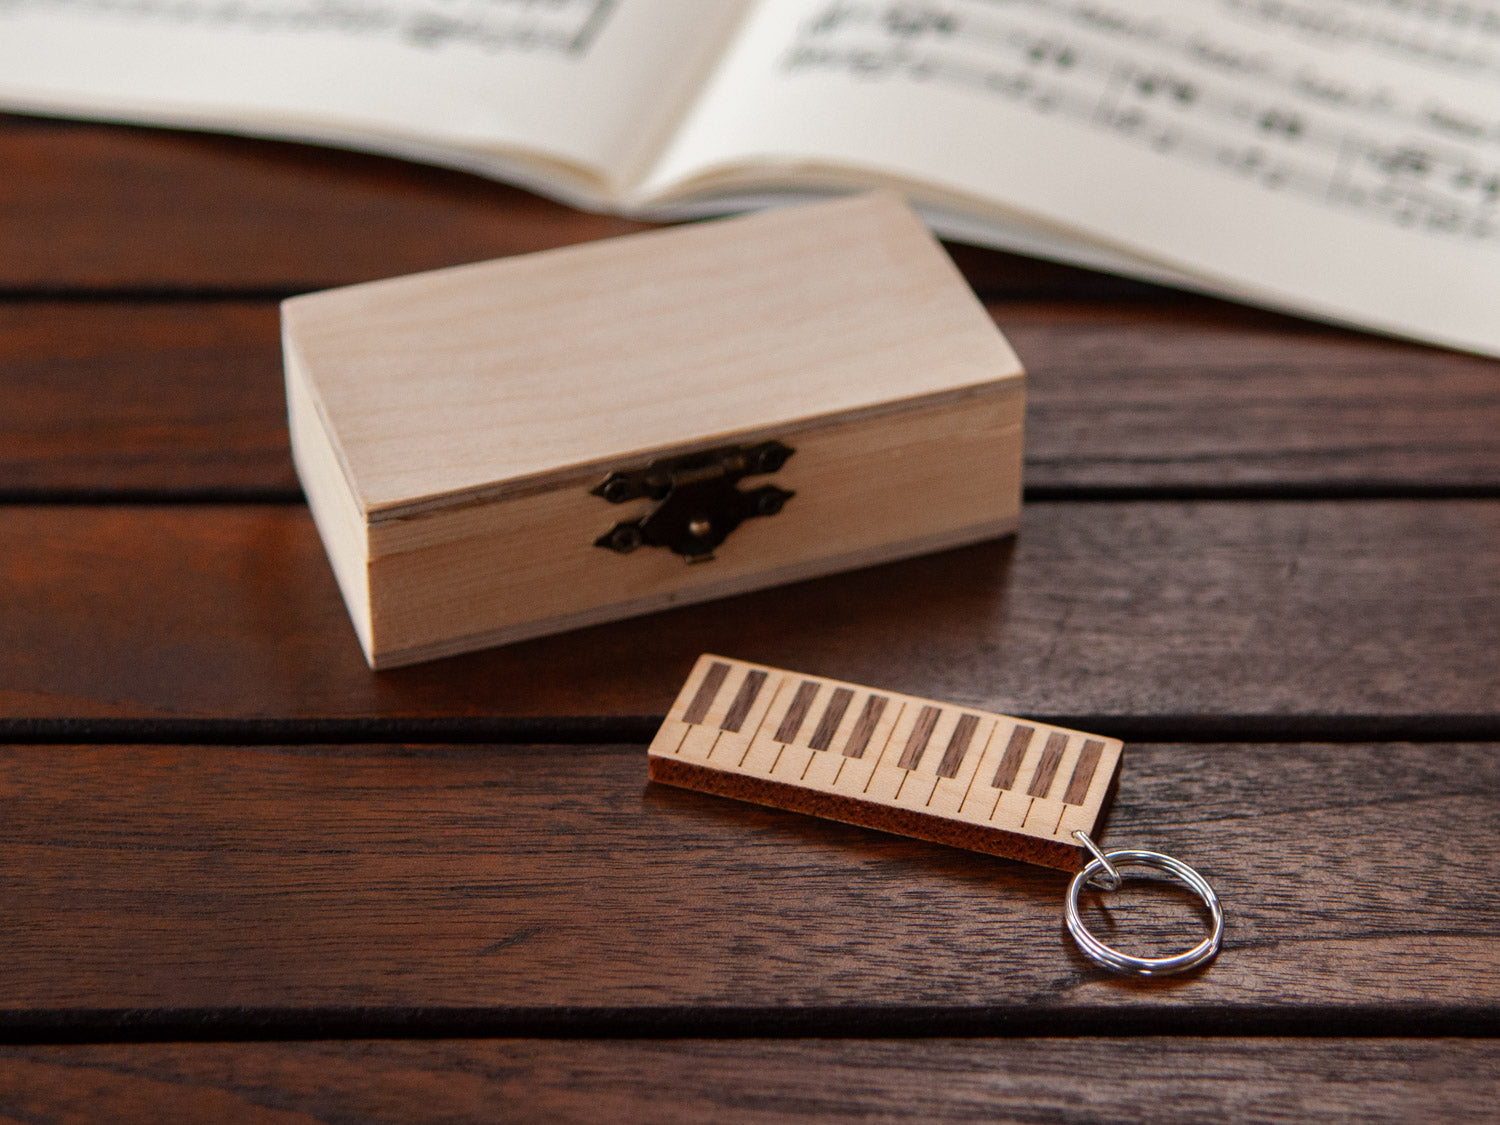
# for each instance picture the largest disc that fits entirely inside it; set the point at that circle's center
(955, 775)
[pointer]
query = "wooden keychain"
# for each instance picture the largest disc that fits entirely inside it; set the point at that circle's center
(954, 775)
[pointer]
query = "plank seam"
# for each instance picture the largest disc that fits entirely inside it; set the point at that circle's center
(1037, 494)
(1267, 491)
(149, 497)
(276, 1024)
(640, 729)
(158, 294)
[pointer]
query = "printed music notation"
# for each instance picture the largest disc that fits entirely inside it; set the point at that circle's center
(1282, 125)
(561, 27)
(958, 775)
(1457, 36)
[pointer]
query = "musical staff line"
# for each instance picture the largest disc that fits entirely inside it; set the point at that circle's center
(1281, 125)
(566, 28)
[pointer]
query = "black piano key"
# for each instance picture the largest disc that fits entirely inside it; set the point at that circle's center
(1083, 772)
(1010, 762)
(704, 699)
(743, 701)
(801, 703)
(833, 715)
(958, 746)
(1046, 769)
(864, 726)
(920, 733)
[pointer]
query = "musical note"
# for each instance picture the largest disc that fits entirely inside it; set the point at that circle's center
(1150, 84)
(562, 27)
(1239, 110)
(1285, 123)
(910, 21)
(1060, 55)
(1459, 38)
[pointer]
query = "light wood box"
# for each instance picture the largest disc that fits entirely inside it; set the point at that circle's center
(453, 429)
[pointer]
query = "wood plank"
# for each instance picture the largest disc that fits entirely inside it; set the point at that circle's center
(99, 207)
(106, 207)
(171, 398)
(1101, 1081)
(1209, 395)
(223, 891)
(187, 399)
(1240, 612)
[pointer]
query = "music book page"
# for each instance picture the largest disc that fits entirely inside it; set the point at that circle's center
(1339, 157)
(577, 87)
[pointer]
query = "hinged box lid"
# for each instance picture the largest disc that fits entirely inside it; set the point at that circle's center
(420, 403)
(478, 380)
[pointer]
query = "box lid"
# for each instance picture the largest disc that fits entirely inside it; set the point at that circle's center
(510, 376)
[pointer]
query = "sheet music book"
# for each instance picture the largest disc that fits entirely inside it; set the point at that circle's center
(1336, 158)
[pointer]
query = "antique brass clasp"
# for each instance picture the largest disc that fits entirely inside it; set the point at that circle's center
(699, 501)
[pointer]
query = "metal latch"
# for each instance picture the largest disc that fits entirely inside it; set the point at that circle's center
(699, 501)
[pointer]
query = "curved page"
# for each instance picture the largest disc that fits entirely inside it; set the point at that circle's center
(1336, 157)
(582, 84)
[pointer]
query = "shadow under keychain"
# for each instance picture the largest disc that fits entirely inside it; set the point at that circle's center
(954, 775)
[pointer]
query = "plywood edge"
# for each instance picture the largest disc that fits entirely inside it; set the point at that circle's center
(812, 568)
(588, 473)
(296, 373)
(334, 510)
(866, 814)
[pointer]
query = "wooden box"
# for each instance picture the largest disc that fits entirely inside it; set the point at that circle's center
(502, 450)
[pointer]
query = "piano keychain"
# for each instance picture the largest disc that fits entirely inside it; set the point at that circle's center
(954, 775)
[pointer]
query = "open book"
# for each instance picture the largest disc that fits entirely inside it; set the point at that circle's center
(1337, 158)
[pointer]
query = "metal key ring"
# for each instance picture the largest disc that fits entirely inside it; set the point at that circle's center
(1111, 958)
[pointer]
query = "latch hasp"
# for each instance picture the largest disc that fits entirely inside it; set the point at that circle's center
(699, 501)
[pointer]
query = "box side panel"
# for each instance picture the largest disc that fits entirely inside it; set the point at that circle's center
(340, 524)
(866, 492)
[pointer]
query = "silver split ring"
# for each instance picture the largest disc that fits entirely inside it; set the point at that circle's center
(1110, 958)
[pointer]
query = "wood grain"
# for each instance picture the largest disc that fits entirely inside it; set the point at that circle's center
(101, 207)
(447, 387)
(186, 399)
(208, 890)
(461, 577)
(1067, 1082)
(175, 399)
(1205, 395)
(1227, 612)
(214, 891)
(450, 427)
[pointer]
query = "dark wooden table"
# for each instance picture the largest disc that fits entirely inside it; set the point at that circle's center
(245, 878)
